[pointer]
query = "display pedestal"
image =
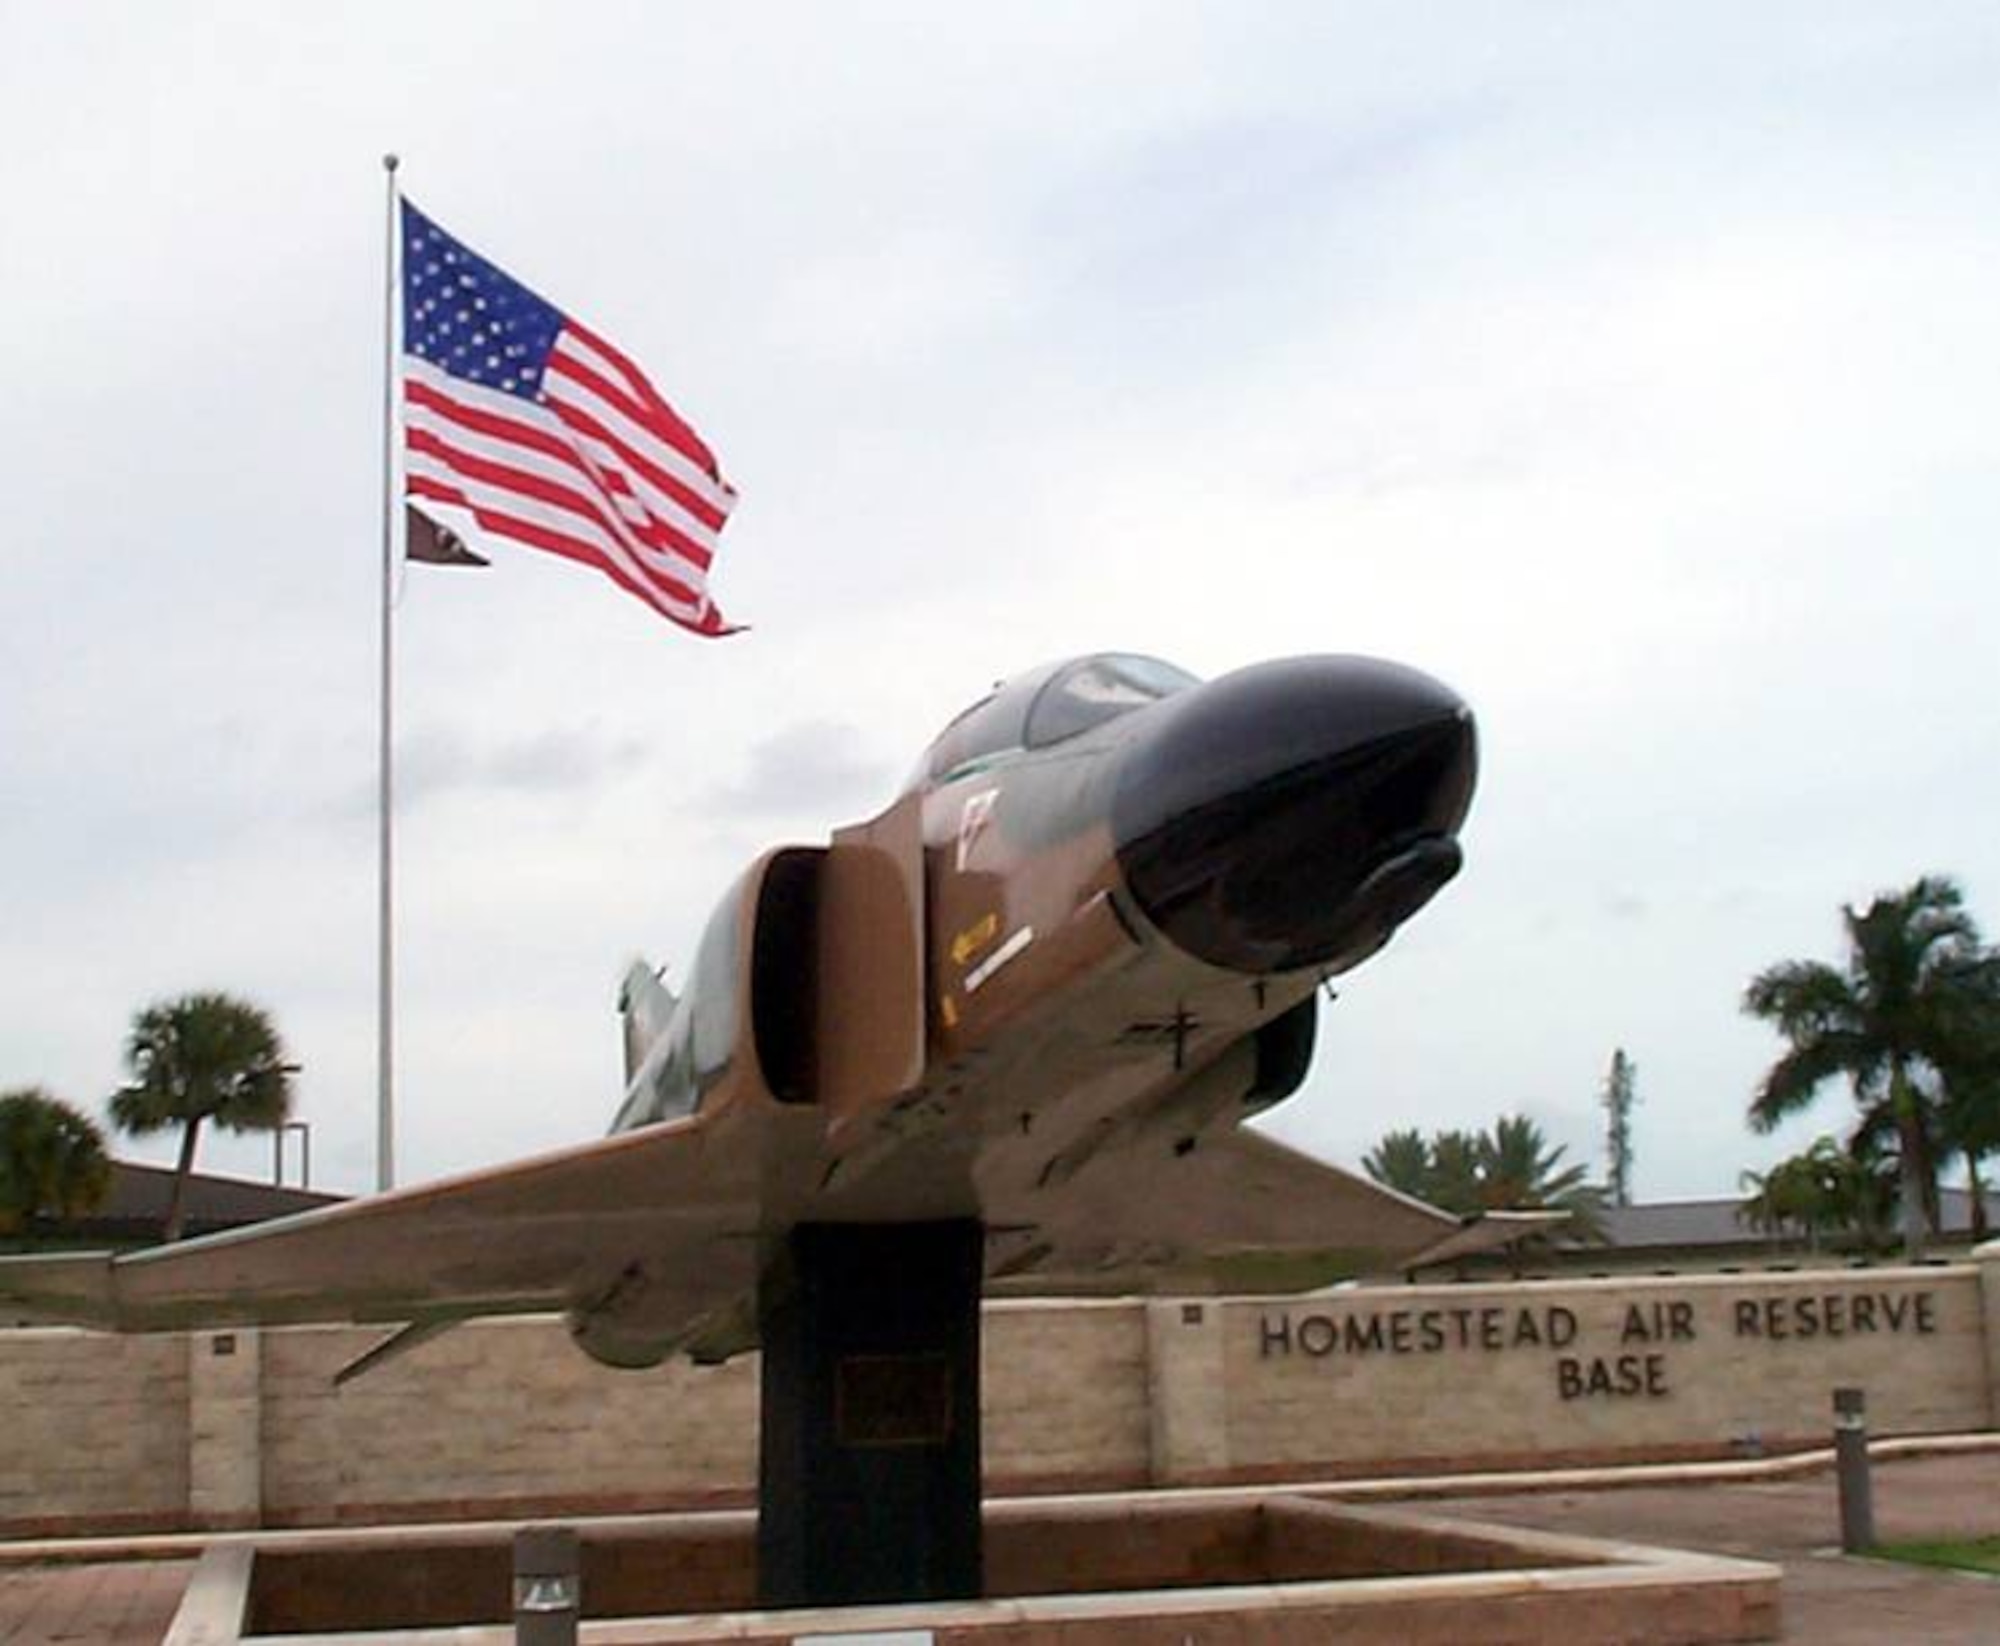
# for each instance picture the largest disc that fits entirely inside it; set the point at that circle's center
(868, 1474)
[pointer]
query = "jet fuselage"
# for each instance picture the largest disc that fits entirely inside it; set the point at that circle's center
(1037, 996)
(1091, 927)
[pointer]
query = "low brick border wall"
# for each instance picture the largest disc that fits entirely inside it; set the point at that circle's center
(1363, 1575)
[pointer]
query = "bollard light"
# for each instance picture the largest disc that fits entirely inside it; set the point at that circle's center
(1850, 1453)
(548, 1587)
(545, 1594)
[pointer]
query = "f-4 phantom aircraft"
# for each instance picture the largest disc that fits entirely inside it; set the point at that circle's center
(1001, 1038)
(1040, 993)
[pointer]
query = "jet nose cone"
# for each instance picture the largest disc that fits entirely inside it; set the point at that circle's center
(1295, 813)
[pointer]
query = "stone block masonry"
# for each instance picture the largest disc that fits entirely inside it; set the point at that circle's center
(95, 1432)
(505, 1418)
(1431, 1377)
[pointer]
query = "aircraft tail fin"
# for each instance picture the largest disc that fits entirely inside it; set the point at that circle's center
(647, 1005)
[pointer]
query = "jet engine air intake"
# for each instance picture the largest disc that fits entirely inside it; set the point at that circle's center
(784, 991)
(837, 1004)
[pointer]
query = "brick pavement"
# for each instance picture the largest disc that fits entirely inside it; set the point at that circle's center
(128, 1603)
(1829, 1599)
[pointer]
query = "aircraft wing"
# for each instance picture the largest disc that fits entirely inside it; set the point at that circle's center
(556, 1231)
(1242, 1213)
(674, 1210)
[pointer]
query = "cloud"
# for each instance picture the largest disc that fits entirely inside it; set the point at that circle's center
(818, 768)
(1638, 374)
(440, 760)
(1626, 904)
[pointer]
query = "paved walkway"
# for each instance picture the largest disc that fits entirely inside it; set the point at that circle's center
(1829, 1599)
(130, 1603)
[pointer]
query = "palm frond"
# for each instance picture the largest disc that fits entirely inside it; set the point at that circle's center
(1803, 997)
(1794, 1081)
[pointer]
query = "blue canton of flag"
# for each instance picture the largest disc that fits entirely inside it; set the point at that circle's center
(542, 432)
(465, 316)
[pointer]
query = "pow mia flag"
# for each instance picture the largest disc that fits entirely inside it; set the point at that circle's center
(437, 545)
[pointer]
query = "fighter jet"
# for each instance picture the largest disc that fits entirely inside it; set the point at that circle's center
(1039, 995)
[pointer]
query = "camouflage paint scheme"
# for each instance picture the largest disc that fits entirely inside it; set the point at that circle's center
(1043, 989)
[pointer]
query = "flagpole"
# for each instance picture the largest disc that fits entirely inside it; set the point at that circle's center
(385, 1000)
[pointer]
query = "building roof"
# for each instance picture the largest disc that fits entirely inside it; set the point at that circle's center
(135, 1209)
(1718, 1222)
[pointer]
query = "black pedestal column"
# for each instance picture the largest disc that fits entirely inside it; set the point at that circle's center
(868, 1478)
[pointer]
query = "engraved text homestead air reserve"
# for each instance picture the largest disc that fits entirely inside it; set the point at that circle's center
(1624, 1353)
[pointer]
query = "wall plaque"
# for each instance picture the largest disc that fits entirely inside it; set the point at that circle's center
(892, 1400)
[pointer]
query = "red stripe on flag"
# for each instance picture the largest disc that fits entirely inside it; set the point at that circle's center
(589, 504)
(481, 421)
(619, 398)
(550, 443)
(674, 427)
(659, 532)
(706, 621)
(575, 417)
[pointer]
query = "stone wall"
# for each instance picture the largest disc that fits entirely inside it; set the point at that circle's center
(506, 1410)
(1458, 1376)
(490, 1415)
(96, 1431)
(504, 1417)
(1065, 1396)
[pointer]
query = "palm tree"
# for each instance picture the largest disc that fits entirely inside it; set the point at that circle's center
(1442, 1169)
(202, 1057)
(1826, 1190)
(1520, 1170)
(1971, 1125)
(52, 1160)
(1786, 1197)
(1893, 1022)
(1457, 1161)
(1510, 1168)
(1402, 1160)
(1969, 1117)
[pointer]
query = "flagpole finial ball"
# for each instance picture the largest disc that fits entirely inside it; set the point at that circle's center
(390, 162)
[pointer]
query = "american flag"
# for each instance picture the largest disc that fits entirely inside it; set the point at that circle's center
(544, 433)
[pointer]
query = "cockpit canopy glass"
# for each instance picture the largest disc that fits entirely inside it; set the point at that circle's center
(1052, 704)
(1092, 690)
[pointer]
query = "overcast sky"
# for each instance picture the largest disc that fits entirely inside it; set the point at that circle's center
(1636, 369)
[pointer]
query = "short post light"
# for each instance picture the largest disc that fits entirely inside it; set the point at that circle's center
(1850, 1453)
(548, 1586)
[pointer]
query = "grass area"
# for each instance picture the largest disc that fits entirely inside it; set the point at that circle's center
(1975, 1554)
